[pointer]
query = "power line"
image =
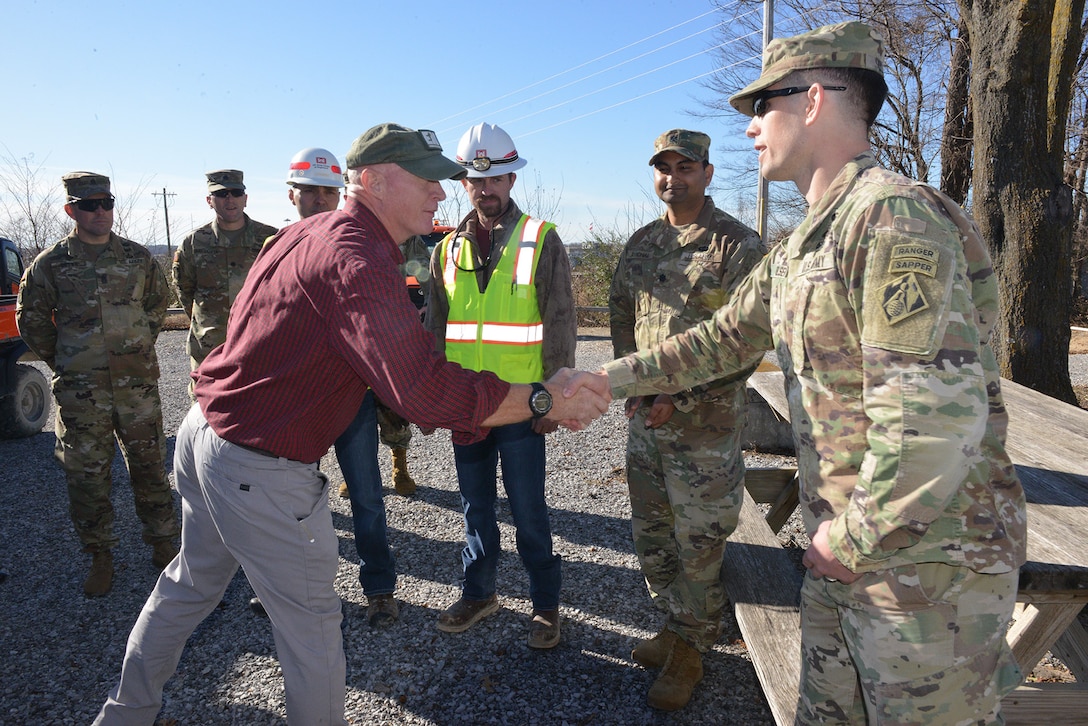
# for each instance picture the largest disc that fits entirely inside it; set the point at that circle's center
(626, 80)
(577, 67)
(613, 67)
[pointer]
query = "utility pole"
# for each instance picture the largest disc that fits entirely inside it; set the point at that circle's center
(762, 189)
(166, 214)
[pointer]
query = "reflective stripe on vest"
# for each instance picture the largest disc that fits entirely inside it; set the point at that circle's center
(499, 330)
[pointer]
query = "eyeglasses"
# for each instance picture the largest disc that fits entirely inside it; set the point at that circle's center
(224, 193)
(759, 101)
(90, 205)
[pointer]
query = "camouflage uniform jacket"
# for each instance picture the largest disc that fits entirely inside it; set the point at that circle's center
(669, 279)
(880, 307)
(94, 321)
(208, 272)
(553, 289)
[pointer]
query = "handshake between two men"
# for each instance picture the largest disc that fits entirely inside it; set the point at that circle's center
(578, 397)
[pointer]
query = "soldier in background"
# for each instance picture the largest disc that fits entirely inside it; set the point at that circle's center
(685, 467)
(212, 262)
(91, 307)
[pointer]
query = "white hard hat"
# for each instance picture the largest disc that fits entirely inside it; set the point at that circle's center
(315, 167)
(486, 150)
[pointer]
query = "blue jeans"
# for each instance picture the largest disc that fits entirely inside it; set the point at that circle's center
(357, 452)
(522, 454)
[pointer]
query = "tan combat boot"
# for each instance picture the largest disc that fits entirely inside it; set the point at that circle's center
(682, 671)
(402, 480)
(100, 581)
(654, 652)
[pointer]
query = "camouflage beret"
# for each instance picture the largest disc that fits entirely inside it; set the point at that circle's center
(694, 145)
(845, 45)
(81, 184)
(417, 152)
(225, 179)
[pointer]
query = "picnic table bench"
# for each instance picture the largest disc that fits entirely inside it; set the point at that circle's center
(1048, 444)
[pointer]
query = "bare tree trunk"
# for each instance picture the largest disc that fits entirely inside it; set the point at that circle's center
(1022, 56)
(956, 137)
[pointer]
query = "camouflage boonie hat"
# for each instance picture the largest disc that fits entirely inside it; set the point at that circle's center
(845, 45)
(81, 184)
(225, 179)
(694, 145)
(417, 152)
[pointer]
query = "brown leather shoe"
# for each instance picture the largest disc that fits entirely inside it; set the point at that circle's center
(344, 490)
(100, 580)
(382, 610)
(681, 673)
(465, 613)
(653, 653)
(544, 629)
(402, 480)
(162, 553)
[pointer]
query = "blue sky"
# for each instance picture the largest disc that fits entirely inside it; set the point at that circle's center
(157, 93)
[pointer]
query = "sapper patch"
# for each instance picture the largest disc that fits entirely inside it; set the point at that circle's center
(914, 257)
(903, 297)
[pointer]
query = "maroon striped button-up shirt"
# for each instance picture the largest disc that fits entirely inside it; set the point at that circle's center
(322, 316)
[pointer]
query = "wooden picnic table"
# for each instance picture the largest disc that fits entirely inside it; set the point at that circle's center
(1048, 444)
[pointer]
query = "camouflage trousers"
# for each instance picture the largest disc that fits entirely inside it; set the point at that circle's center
(920, 644)
(686, 481)
(87, 421)
(394, 430)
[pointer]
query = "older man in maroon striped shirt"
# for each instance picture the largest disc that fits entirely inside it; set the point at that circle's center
(322, 317)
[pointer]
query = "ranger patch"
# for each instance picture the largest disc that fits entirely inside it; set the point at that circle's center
(903, 297)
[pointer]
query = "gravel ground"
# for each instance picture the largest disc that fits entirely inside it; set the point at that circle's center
(61, 653)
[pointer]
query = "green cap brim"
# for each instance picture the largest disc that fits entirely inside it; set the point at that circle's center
(433, 167)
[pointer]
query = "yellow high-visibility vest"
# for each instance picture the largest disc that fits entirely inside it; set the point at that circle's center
(499, 330)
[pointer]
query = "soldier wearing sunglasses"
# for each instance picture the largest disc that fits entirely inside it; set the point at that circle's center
(212, 262)
(91, 307)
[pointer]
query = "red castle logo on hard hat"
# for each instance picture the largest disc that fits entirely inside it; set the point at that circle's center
(321, 160)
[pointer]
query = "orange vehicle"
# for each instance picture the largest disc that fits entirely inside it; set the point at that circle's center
(24, 391)
(415, 292)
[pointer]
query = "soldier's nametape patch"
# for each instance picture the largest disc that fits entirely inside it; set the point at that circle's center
(903, 297)
(907, 258)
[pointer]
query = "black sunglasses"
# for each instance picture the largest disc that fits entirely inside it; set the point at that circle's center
(759, 101)
(224, 193)
(90, 205)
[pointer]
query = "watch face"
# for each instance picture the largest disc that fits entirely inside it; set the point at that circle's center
(540, 401)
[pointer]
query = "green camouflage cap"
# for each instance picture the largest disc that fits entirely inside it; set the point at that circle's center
(694, 145)
(417, 152)
(81, 184)
(225, 179)
(845, 45)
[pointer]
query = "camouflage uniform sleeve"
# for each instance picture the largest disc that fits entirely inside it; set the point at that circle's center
(184, 274)
(621, 308)
(923, 378)
(731, 341)
(555, 298)
(438, 305)
(157, 298)
(34, 311)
